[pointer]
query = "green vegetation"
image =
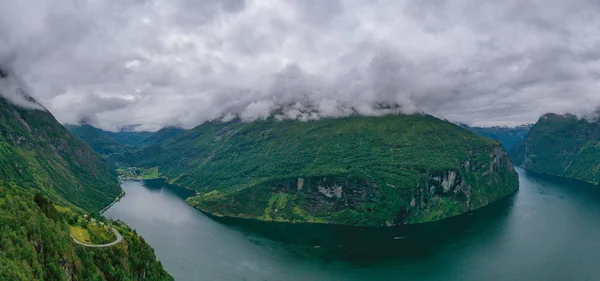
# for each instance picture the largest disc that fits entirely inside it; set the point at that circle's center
(135, 173)
(90, 229)
(48, 178)
(368, 171)
(100, 234)
(562, 145)
(37, 153)
(150, 173)
(35, 244)
(81, 234)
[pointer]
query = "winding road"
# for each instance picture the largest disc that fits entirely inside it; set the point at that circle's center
(117, 241)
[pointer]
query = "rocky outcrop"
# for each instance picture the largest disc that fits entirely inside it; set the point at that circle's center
(449, 193)
(335, 191)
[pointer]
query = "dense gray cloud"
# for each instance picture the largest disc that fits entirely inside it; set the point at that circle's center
(182, 62)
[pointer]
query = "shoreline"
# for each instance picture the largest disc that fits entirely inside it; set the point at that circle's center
(115, 201)
(256, 219)
(558, 176)
(163, 177)
(217, 216)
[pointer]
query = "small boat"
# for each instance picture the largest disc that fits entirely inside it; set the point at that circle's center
(400, 237)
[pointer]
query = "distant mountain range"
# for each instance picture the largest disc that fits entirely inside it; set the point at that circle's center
(508, 136)
(107, 143)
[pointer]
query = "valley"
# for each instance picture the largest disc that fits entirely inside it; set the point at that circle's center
(196, 140)
(256, 200)
(546, 231)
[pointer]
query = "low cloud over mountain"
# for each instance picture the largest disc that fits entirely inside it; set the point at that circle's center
(182, 62)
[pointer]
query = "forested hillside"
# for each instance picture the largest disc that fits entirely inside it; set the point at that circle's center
(562, 145)
(35, 245)
(36, 152)
(42, 164)
(370, 171)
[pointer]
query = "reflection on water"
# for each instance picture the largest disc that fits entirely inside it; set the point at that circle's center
(547, 231)
(372, 245)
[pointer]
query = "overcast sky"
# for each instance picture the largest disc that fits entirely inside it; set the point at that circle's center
(182, 62)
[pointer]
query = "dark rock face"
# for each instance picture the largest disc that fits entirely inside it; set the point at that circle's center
(445, 183)
(332, 192)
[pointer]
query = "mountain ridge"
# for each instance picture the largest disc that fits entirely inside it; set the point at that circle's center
(38, 151)
(48, 180)
(509, 136)
(561, 145)
(307, 171)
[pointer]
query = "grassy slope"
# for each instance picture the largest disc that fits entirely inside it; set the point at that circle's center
(239, 168)
(81, 234)
(562, 145)
(37, 152)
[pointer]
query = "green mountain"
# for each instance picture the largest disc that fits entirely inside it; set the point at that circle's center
(40, 159)
(508, 136)
(38, 153)
(562, 145)
(363, 171)
(161, 136)
(100, 141)
(111, 143)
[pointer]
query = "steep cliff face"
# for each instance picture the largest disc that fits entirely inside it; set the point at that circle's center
(481, 180)
(562, 145)
(364, 171)
(346, 199)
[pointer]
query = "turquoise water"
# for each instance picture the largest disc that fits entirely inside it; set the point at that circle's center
(549, 230)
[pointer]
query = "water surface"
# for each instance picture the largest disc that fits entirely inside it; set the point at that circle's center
(549, 230)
